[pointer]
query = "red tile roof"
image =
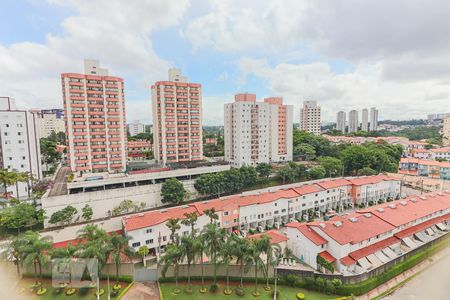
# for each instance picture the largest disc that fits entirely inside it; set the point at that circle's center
(419, 227)
(275, 236)
(347, 261)
(363, 252)
(309, 233)
(348, 231)
(370, 179)
(327, 256)
(331, 184)
(403, 214)
(147, 219)
(75, 242)
(307, 189)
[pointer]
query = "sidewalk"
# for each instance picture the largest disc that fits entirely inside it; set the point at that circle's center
(405, 275)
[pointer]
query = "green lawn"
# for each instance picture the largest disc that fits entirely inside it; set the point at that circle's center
(286, 293)
(51, 294)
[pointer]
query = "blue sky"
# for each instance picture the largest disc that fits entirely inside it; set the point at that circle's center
(338, 54)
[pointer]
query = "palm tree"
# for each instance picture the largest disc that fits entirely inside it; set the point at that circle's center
(7, 179)
(65, 255)
(256, 248)
(277, 257)
(96, 244)
(226, 253)
(199, 248)
(214, 237)
(268, 249)
(19, 177)
(191, 220)
(173, 226)
(14, 250)
(188, 253)
(35, 251)
(242, 254)
(143, 251)
(172, 256)
(211, 213)
(119, 247)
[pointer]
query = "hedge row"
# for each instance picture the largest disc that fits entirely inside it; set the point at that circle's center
(371, 283)
(123, 278)
(209, 278)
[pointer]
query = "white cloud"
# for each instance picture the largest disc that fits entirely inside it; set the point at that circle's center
(363, 87)
(116, 32)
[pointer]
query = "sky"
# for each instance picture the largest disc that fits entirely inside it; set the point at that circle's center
(347, 54)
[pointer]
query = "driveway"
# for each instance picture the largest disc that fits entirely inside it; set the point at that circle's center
(143, 291)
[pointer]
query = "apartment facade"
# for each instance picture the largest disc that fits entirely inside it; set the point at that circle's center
(50, 120)
(365, 120)
(446, 132)
(257, 132)
(341, 121)
(310, 117)
(353, 121)
(135, 128)
(373, 119)
(94, 108)
(19, 144)
(138, 150)
(177, 119)
(423, 167)
(258, 211)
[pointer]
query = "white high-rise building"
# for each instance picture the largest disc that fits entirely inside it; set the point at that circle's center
(353, 121)
(446, 132)
(49, 120)
(340, 121)
(257, 132)
(310, 117)
(136, 127)
(19, 144)
(94, 108)
(177, 119)
(373, 119)
(365, 120)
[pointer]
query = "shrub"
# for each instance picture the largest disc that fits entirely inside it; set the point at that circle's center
(240, 291)
(114, 293)
(291, 280)
(102, 291)
(310, 282)
(300, 296)
(83, 291)
(70, 291)
(189, 290)
(41, 291)
(214, 287)
(117, 286)
(329, 287)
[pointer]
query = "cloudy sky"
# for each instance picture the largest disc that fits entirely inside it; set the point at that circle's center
(347, 54)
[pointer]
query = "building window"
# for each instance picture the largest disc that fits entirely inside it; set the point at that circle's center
(137, 244)
(149, 230)
(150, 241)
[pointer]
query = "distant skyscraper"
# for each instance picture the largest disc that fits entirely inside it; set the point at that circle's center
(310, 117)
(94, 108)
(340, 121)
(19, 145)
(135, 128)
(353, 121)
(50, 120)
(446, 132)
(257, 132)
(177, 119)
(365, 120)
(373, 119)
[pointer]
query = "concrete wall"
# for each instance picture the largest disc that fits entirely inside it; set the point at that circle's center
(103, 202)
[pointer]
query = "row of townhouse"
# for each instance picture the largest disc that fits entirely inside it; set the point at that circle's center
(371, 237)
(262, 210)
(433, 154)
(423, 167)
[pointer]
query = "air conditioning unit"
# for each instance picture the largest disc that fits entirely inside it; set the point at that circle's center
(403, 203)
(322, 225)
(337, 223)
(393, 206)
(367, 215)
(414, 200)
(380, 209)
(353, 219)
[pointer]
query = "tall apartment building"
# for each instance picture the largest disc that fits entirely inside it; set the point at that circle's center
(373, 119)
(310, 117)
(442, 116)
(177, 119)
(136, 127)
(365, 120)
(19, 144)
(341, 121)
(257, 132)
(353, 121)
(446, 132)
(50, 120)
(94, 107)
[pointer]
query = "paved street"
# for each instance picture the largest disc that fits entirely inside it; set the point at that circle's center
(60, 184)
(140, 291)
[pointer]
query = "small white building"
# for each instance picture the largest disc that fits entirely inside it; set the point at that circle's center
(135, 128)
(19, 144)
